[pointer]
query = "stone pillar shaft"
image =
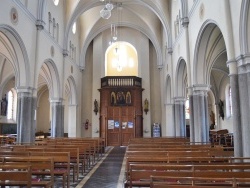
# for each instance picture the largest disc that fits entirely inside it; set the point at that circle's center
(238, 152)
(57, 121)
(191, 120)
(170, 129)
(179, 115)
(26, 123)
(199, 128)
(244, 110)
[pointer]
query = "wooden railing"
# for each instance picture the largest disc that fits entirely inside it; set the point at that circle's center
(116, 81)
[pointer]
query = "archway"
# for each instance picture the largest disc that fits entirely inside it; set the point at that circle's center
(210, 72)
(180, 98)
(70, 117)
(49, 93)
(170, 128)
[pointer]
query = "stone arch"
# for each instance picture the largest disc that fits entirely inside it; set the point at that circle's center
(84, 6)
(170, 128)
(210, 48)
(17, 55)
(168, 90)
(244, 27)
(181, 78)
(71, 91)
(95, 31)
(50, 74)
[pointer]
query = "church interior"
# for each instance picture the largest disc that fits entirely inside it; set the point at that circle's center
(123, 88)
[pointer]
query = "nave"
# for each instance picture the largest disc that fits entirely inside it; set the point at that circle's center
(108, 172)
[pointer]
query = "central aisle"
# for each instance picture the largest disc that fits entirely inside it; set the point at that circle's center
(106, 174)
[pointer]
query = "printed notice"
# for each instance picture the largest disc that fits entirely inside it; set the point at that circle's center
(111, 124)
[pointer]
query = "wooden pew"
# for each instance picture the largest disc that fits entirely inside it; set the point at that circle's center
(61, 164)
(74, 155)
(197, 182)
(40, 166)
(139, 174)
(15, 175)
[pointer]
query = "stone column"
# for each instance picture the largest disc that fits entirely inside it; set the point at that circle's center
(26, 121)
(244, 96)
(57, 119)
(199, 111)
(191, 116)
(237, 130)
(72, 129)
(179, 116)
(170, 129)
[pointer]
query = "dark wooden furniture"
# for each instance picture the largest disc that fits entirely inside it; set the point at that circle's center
(120, 109)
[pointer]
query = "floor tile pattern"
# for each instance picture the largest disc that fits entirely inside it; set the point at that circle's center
(107, 174)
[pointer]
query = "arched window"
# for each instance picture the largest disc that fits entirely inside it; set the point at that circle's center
(228, 95)
(50, 22)
(230, 101)
(121, 60)
(74, 28)
(56, 2)
(187, 111)
(12, 103)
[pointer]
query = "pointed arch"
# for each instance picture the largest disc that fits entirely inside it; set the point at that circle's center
(210, 46)
(50, 75)
(244, 27)
(71, 90)
(181, 78)
(17, 55)
(168, 90)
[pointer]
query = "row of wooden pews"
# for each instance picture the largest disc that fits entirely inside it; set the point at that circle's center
(175, 162)
(70, 157)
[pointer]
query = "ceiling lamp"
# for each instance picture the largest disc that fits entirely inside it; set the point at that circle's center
(105, 13)
(109, 6)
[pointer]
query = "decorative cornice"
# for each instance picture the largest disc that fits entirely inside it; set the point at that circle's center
(170, 50)
(40, 24)
(185, 21)
(159, 67)
(65, 53)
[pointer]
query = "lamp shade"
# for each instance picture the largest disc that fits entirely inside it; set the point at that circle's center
(109, 6)
(105, 13)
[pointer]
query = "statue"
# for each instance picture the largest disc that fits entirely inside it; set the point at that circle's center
(95, 107)
(212, 119)
(146, 108)
(221, 112)
(4, 105)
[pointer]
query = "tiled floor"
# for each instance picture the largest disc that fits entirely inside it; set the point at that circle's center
(107, 173)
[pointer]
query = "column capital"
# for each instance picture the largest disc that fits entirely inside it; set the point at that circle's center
(179, 100)
(25, 91)
(243, 59)
(56, 100)
(200, 89)
(243, 62)
(232, 65)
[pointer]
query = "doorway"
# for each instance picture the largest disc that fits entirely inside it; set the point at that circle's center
(121, 125)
